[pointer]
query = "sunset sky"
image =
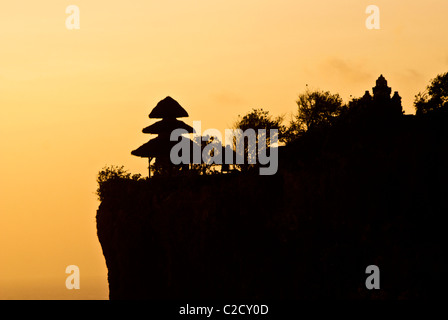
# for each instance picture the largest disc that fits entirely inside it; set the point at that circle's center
(74, 101)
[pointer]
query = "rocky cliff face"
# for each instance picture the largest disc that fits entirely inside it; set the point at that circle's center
(190, 238)
(341, 201)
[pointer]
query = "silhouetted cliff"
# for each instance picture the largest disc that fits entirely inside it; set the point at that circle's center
(344, 198)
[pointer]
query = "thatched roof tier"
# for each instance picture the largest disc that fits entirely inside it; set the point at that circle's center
(167, 126)
(157, 147)
(160, 147)
(168, 108)
(153, 148)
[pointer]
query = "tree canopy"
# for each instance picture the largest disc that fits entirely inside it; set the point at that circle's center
(316, 109)
(434, 97)
(261, 119)
(258, 119)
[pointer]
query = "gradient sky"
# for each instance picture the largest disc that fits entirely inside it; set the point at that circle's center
(73, 101)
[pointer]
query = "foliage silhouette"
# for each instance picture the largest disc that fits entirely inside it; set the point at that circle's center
(316, 109)
(261, 119)
(257, 119)
(435, 97)
(110, 174)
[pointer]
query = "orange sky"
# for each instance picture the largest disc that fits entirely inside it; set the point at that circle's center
(73, 101)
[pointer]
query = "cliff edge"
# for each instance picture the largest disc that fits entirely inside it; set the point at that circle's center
(341, 201)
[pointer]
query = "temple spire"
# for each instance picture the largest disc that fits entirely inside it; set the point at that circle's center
(159, 148)
(381, 90)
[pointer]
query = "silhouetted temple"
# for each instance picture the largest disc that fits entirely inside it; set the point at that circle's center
(382, 103)
(159, 148)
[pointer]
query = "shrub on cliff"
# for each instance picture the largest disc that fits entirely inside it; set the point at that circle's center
(112, 173)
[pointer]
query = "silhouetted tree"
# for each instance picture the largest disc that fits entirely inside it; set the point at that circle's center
(434, 97)
(108, 174)
(206, 167)
(316, 109)
(259, 119)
